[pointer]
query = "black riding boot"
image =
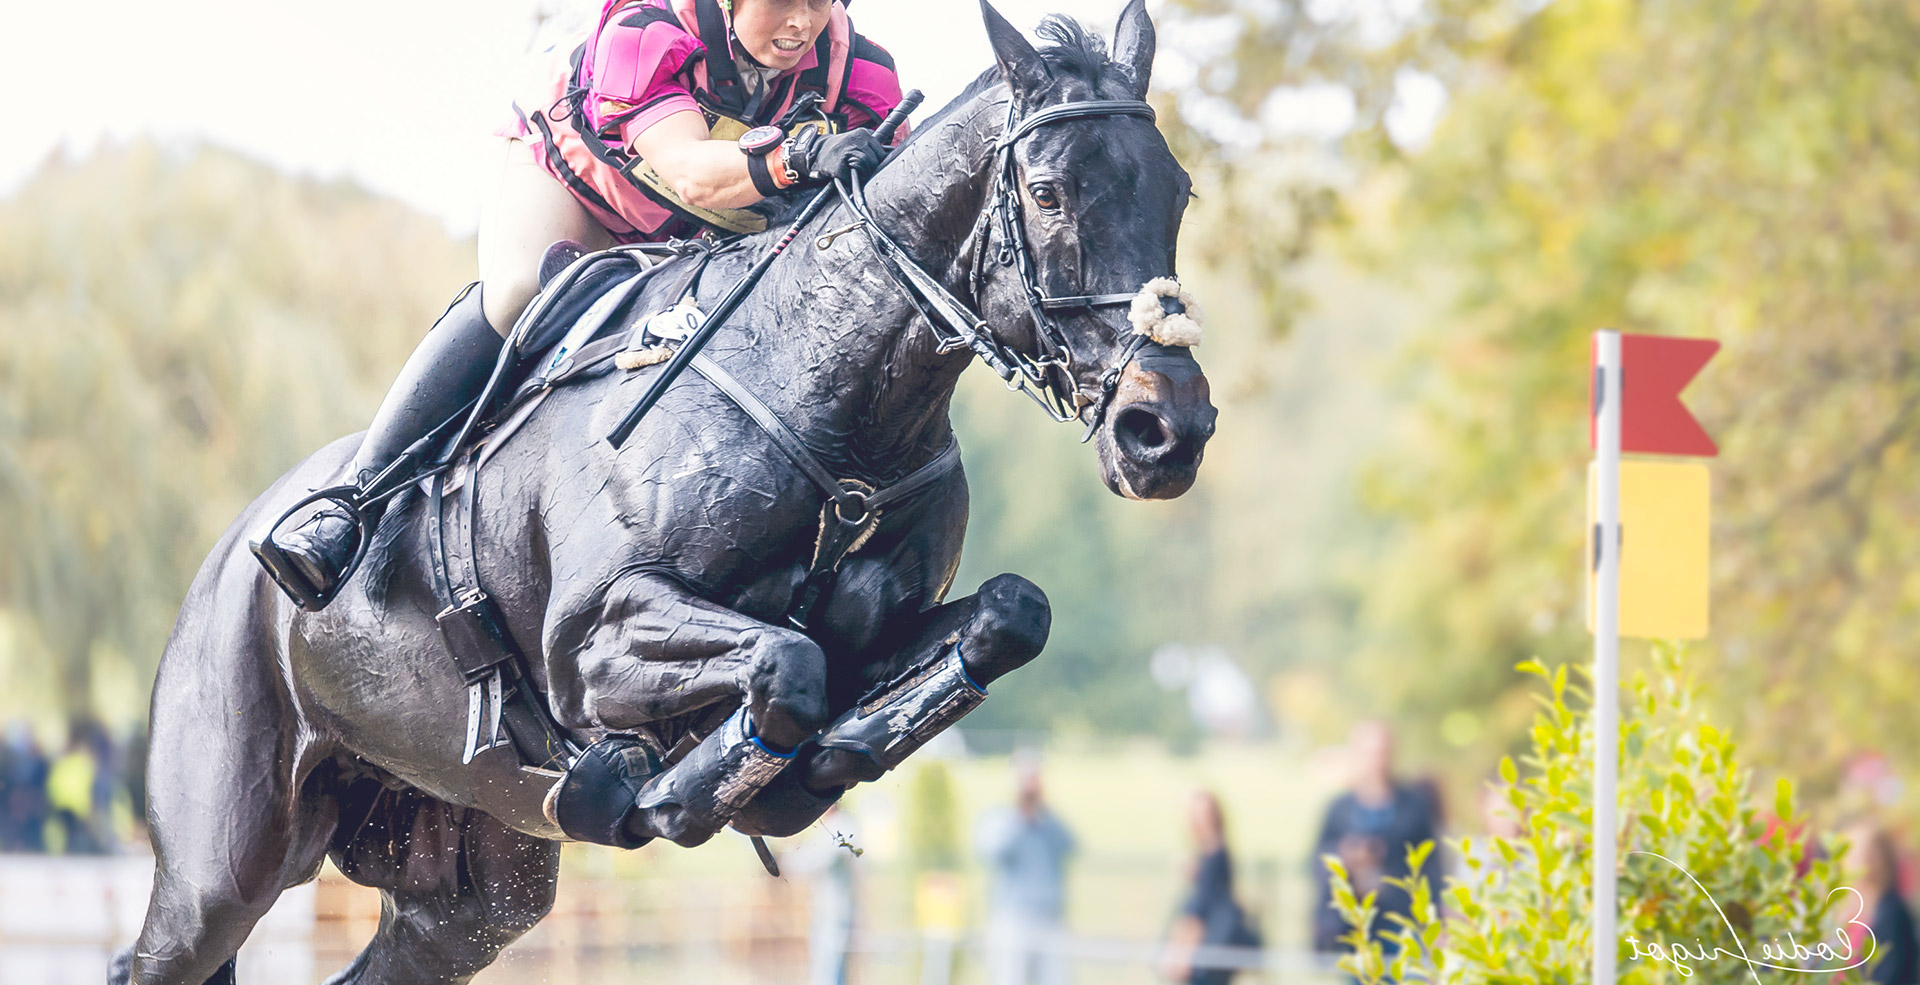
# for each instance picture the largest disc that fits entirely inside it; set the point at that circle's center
(447, 370)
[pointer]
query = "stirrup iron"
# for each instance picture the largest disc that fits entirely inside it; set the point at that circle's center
(310, 597)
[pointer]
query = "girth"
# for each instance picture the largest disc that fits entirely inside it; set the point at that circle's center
(500, 688)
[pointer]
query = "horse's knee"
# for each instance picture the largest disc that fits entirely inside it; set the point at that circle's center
(1008, 629)
(786, 688)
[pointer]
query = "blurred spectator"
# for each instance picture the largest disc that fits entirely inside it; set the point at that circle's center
(832, 900)
(80, 802)
(80, 789)
(1369, 828)
(23, 792)
(1874, 871)
(1210, 917)
(1026, 850)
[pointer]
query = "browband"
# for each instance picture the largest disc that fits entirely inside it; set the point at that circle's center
(1075, 111)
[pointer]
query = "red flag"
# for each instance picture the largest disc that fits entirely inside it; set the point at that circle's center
(1653, 421)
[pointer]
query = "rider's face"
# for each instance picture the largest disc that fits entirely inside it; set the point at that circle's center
(778, 33)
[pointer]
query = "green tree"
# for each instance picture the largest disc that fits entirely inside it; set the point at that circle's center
(177, 327)
(1741, 170)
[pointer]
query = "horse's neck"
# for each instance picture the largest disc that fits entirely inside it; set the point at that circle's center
(872, 367)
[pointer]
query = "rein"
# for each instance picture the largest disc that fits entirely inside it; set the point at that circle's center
(957, 326)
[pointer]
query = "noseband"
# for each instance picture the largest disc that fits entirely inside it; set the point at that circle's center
(1045, 376)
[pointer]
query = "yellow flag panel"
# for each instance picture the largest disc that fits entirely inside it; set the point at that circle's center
(1664, 520)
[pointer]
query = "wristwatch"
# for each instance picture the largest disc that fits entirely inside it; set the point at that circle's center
(760, 141)
(799, 155)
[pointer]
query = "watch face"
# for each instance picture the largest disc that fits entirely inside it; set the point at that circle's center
(760, 140)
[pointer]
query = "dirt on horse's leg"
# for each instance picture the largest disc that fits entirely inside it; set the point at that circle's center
(229, 833)
(457, 886)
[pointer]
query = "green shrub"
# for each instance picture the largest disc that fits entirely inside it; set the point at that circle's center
(1522, 912)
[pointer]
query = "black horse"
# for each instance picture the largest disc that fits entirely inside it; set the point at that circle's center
(648, 583)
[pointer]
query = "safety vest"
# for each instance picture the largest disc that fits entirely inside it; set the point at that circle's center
(617, 62)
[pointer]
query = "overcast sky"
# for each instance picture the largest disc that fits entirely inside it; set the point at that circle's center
(397, 94)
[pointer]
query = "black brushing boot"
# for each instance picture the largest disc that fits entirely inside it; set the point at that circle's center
(595, 801)
(448, 369)
(611, 798)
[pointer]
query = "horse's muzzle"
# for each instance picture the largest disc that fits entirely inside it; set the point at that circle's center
(1157, 426)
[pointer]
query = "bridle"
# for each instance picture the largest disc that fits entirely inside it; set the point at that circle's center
(1046, 375)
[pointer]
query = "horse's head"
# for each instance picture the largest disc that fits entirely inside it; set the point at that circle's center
(1083, 237)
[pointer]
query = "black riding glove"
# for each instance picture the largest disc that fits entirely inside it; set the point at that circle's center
(819, 159)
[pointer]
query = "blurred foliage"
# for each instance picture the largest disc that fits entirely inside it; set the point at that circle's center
(1735, 169)
(1240, 78)
(177, 327)
(1698, 862)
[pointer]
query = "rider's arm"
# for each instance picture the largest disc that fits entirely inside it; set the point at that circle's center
(710, 174)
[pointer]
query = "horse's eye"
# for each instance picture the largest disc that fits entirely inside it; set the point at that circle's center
(1043, 196)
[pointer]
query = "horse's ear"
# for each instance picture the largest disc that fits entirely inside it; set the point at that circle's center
(1133, 44)
(1020, 64)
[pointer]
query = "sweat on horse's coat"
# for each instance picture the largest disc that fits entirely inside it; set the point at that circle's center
(645, 584)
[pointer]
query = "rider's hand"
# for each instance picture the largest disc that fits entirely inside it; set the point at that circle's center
(839, 155)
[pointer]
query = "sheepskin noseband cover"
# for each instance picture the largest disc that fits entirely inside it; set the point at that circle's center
(1177, 323)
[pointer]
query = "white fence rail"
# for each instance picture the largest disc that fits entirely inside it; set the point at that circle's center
(63, 917)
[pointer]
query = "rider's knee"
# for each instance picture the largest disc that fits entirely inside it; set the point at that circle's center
(1009, 628)
(505, 291)
(786, 688)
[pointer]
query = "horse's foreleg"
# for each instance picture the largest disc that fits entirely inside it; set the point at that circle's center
(457, 885)
(955, 652)
(654, 652)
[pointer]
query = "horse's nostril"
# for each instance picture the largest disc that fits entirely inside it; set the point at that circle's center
(1141, 432)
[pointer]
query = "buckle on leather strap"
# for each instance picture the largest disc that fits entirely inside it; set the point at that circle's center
(484, 700)
(472, 634)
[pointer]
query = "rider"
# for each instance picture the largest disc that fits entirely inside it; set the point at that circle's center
(669, 119)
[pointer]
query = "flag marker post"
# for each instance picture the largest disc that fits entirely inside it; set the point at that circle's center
(1606, 653)
(1637, 409)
